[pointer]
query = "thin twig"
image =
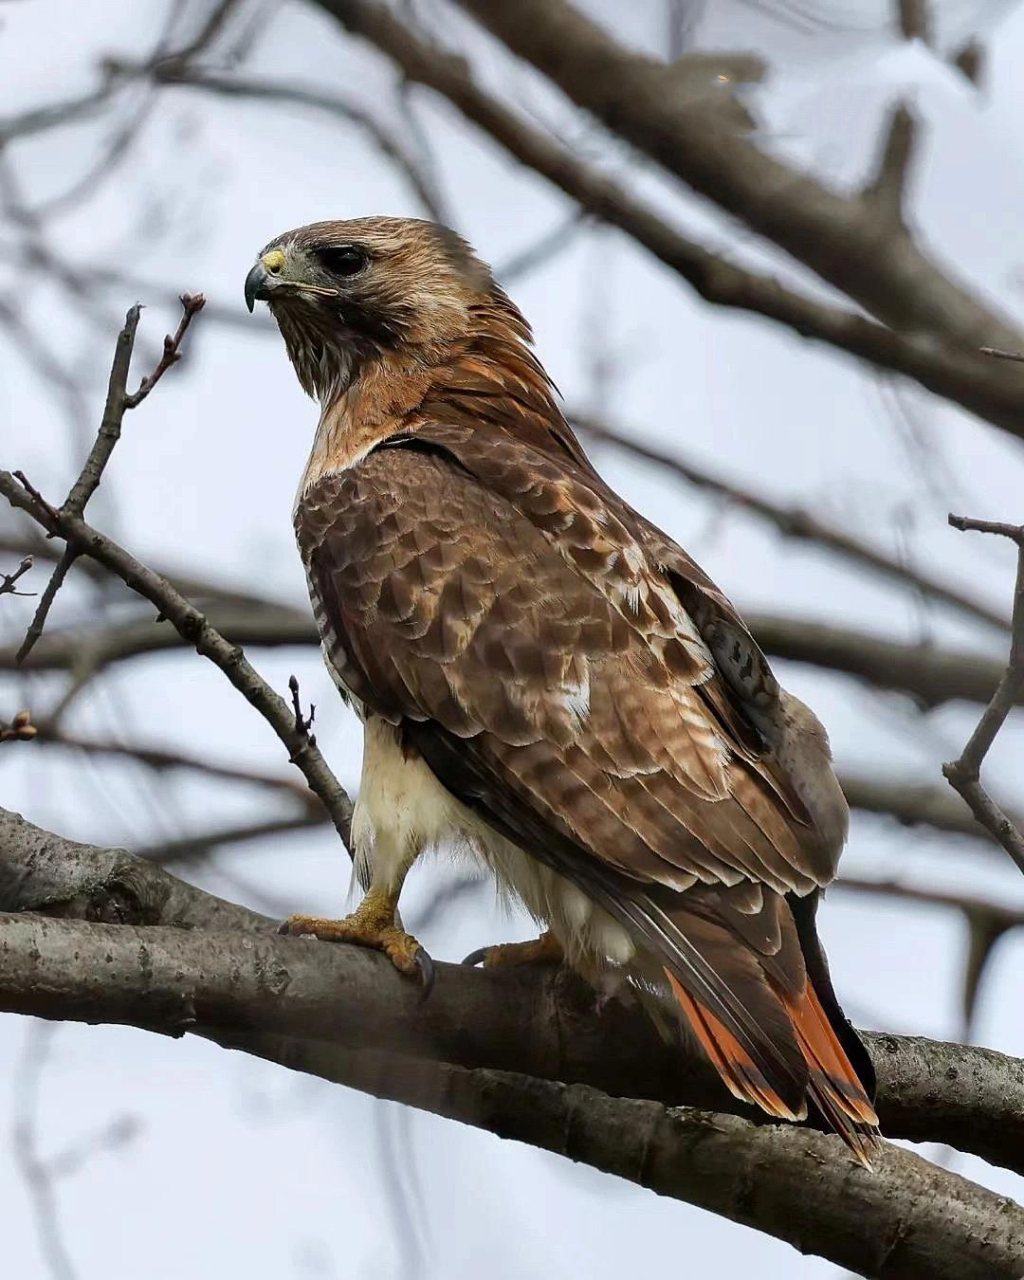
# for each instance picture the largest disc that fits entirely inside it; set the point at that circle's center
(303, 724)
(110, 423)
(1000, 354)
(964, 774)
(35, 1171)
(117, 403)
(887, 190)
(8, 581)
(406, 159)
(194, 628)
(35, 627)
(191, 305)
(190, 849)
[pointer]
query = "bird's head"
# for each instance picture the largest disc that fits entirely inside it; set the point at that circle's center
(348, 293)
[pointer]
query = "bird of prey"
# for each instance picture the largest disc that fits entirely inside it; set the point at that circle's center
(545, 679)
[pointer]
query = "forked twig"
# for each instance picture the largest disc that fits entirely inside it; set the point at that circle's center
(117, 403)
(964, 774)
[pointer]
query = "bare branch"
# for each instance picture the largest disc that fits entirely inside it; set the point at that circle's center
(9, 581)
(196, 630)
(175, 74)
(793, 521)
(969, 60)
(117, 402)
(56, 581)
(964, 774)
(836, 236)
(886, 192)
(190, 849)
(947, 363)
(36, 1172)
(543, 249)
(160, 758)
(303, 724)
(912, 803)
(176, 981)
(191, 305)
(914, 20)
(1015, 356)
(929, 675)
(543, 1022)
(1004, 918)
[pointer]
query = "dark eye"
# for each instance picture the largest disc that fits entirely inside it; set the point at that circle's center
(343, 260)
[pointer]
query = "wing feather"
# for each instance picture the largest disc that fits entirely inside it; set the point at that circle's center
(480, 588)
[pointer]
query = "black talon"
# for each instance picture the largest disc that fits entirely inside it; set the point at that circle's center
(426, 967)
(477, 956)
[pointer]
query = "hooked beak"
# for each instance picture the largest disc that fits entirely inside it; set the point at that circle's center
(256, 285)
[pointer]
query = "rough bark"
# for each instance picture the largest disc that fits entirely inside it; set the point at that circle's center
(157, 952)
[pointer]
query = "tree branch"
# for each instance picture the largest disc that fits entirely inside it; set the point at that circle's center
(9, 581)
(193, 628)
(901, 1220)
(836, 237)
(964, 774)
(118, 401)
(954, 371)
(886, 192)
(391, 147)
(160, 758)
(542, 1022)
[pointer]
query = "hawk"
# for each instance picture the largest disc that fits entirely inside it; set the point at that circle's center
(547, 680)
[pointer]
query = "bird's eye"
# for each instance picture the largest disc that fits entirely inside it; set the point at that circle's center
(343, 260)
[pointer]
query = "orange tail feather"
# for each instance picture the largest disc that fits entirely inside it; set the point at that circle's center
(834, 1086)
(740, 1074)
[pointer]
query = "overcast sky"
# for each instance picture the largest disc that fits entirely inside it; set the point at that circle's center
(236, 1167)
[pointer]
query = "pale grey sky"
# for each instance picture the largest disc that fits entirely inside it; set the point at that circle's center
(239, 1167)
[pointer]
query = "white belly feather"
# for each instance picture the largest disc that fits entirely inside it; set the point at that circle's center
(402, 810)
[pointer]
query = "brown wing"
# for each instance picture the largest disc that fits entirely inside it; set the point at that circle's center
(538, 631)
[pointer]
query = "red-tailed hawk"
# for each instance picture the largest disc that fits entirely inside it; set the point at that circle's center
(545, 678)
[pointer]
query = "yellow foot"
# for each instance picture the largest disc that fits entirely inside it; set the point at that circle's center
(373, 925)
(543, 950)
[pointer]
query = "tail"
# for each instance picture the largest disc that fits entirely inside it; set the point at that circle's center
(833, 1084)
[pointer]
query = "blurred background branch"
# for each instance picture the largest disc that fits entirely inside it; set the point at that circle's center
(808, 171)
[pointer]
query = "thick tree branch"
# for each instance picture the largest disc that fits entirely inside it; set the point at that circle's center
(901, 1220)
(542, 1023)
(835, 236)
(956, 372)
(906, 1219)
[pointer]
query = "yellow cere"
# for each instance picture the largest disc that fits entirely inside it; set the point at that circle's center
(273, 261)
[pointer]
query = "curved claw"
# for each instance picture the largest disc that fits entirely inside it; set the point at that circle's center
(476, 957)
(425, 966)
